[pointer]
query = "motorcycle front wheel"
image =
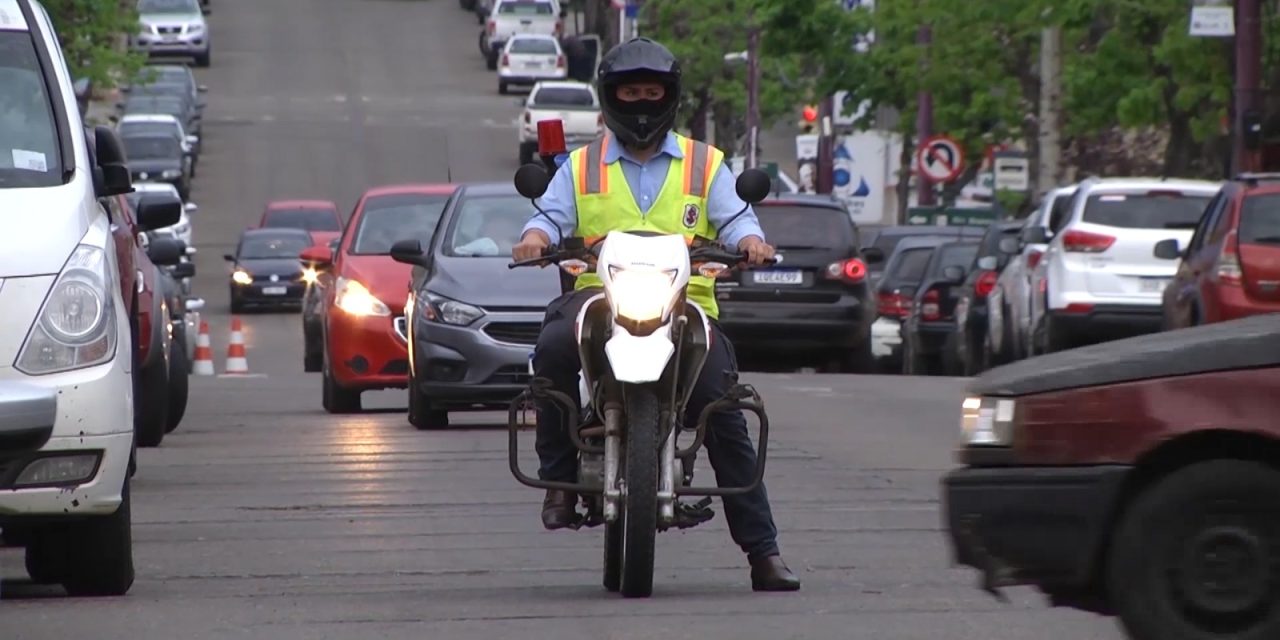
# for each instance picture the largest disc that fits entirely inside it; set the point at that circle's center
(640, 508)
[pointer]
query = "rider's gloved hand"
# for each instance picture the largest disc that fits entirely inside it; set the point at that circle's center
(530, 245)
(758, 251)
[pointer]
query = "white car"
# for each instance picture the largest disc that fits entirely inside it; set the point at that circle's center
(173, 27)
(1101, 278)
(510, 18)
(529, 59)
(182, 230)
(574, 104)
(162, 123)
(64, 331)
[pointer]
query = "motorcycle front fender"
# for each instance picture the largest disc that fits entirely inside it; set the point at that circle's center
(639, 359)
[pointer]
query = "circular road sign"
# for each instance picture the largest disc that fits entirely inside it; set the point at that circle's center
(940, 159)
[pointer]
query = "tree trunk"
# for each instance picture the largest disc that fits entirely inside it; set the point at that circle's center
(698, 118)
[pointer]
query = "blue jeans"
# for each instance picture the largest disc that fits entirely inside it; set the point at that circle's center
(733, 458)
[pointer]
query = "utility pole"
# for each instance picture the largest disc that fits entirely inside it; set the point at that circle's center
(825, 180)
(1248, 112)
(753, 93)
(924, 119)
(1050, 109)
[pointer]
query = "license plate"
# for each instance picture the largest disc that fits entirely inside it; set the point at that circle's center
(533, 65)
(1154, 285)
(778, 277)
(274, 291)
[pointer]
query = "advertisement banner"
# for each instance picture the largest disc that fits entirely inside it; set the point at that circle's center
(860, 178)
(807, 163)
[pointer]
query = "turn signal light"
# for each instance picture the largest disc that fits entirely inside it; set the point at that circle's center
(560, 61)
(985, 284)
(574, 267)
(712, 269)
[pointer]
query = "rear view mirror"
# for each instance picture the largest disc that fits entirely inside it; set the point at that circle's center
(165, 252)
(111, 173)
(316, 255)
(158, 210)
(183, 270)
(753, 185)
(531, 181)
(953, 274)
(409, 252)
(202, 88)
(1035, 235)
(1010, 245)
(989, 263)
(872, 255)
(1167, 249)
(192, 207)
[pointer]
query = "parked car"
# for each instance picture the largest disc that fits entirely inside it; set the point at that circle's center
(174, 27)
(816, 305)
(183, 229)
(1102, 280)
(879, 243)
(471, 322)
(1136, 478)
(574, 104)
(967, 347)
(510, 18)
(1009, 303)
(1231, 266)
(177, 74)
(164, 105)
(154, 123)
(66, 420)
(930, 320)
(364, 331)
(320, 218)
(166, 253)
(528, 59)
(266, 271)
(318, 279)
(159, 157)
(903, 271)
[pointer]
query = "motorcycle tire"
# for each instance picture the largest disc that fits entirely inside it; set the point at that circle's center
(613, 553)
(640, 510)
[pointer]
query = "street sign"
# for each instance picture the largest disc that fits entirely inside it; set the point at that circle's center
(940, 159)
(1011, 173)
(950, 216)
(1212, 19)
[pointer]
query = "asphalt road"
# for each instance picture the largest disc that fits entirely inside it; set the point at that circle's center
(263, 517)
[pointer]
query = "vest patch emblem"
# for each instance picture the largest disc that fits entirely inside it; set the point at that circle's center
(690, 216)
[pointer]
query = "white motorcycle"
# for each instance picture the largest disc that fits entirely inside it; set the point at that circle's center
(642, 346)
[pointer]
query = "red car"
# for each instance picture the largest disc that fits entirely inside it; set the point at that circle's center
(1231, 267)
(320, 217)
(363, 331)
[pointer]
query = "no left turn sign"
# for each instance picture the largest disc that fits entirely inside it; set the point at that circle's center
(940, 159)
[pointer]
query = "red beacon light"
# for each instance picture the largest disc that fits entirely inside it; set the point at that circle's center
(551, 138)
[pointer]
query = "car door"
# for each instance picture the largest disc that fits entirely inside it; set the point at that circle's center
(1183, 291)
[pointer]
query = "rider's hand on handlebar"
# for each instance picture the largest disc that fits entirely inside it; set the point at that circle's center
(530, 246)
(758, 251)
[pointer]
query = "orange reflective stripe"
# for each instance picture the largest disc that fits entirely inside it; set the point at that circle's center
(604, 168)
(688, 164)
(582, 172)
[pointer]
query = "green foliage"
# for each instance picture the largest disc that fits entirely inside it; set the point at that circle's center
(92, 33)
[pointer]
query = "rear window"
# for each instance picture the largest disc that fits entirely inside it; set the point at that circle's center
(309, 219)
(562, 97)
(543, 46)
(29, 153)
(911, 265)
(1260, 219)
(956, 255)
(389, 219)
(1145, 211)
(790, 227)
(525, 9)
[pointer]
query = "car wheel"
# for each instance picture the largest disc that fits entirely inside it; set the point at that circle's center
(99, 553)
(491, 61)
(502, 88)
(204, 59)
(859, 359)
(1195, 554)
(152, 405)
(46, 557)
(237, 305)
(421, 415)
(336, 399)
(179, 372)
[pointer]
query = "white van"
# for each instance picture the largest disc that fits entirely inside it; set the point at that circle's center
(66, 408)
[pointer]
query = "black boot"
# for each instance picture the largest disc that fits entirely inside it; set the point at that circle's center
(558, 510)
(770, 573)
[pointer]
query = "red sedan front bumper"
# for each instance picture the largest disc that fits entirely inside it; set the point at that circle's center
(365, 352)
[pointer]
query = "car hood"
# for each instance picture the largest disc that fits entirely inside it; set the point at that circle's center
(268, 266)
(167, 19)
(323, 237)
(385, 278)
(487, 282)
(57, 217)
(1238, 344)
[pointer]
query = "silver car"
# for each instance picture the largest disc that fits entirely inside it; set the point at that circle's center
(173, 27)
(471, 323)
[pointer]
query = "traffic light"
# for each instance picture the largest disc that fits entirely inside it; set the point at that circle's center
(810, 118)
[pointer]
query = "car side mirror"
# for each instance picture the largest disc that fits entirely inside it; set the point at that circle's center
(1010, 245)
(989, 263)
(195, 304)
(165, 252)
(872, 255)
(184, 270)
(531, 181)
(202, 88)
(111, 175)
(317, 255)
(753, 185)
(229, 257)
(409, 252)
(953, 274)
(193, 139)
(1035, 235)
(158, 210)
(191, 207)
(1167, 249)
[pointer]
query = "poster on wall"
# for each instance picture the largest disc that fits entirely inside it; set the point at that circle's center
(807, 163)
(860, 178)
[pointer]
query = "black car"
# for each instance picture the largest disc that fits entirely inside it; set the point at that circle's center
(158, 157)
(266, 269)
(930, 319)
(967, 346)
(174, 106)
(312, 312)
(815, 307)
(880, 243)
(896, 288)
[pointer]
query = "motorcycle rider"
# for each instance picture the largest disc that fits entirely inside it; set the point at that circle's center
(642, 175)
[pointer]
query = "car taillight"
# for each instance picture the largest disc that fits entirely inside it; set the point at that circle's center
(559, 61)
(599, 119)
(492, 27)
(985, 284)
(559, 27)
(930, 309)
(1228, 268)
(893, 304)
(528, 118)
(506, 60)
(1086, 242)
(852, 270)
(1033, 258)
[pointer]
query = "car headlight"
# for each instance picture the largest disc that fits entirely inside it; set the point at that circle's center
(171, 173)
(240, 276)
(195, 28)
(987, 421)
(76, 326)
(640, 294)
(442, 309)
(356, 300)
(310, 275)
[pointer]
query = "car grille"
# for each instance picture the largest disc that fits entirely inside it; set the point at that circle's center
(169, 30)
(402, 327)
(514, 332)
(511, 374)
(280, 277)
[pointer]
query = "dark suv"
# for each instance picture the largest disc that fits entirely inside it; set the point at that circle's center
(816, 303)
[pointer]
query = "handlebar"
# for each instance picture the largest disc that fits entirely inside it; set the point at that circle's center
(552, 254)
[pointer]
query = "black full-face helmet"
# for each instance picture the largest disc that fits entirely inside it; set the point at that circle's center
(643, 122)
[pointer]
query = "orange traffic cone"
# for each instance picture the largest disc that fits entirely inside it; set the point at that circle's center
(203, 365)
(236, 362)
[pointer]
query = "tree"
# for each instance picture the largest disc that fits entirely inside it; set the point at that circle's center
(93, 34)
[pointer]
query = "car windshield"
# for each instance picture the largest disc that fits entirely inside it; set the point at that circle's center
(544, 46)
(523, 8)
(794, 227)
(1260, 219)
(487, 226)
(178, 91)
(309, 219)
(389, 219)
(168, 6)
(268, 247)
(151, 148)
(127, 128)
(155, 104)
(911, 265)
(563, 97)
(1154, 210)
(29, 154)
(956, 255)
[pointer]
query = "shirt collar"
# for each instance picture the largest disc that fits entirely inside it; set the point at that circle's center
(670, 146)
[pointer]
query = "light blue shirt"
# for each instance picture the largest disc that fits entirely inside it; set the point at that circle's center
(646, 180)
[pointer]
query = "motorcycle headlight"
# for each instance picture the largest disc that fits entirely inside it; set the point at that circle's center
(640, 294)
(355, 299)
(987, 422)
(242, 277)
(76, 326)
(310, 275)
(442, 309)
